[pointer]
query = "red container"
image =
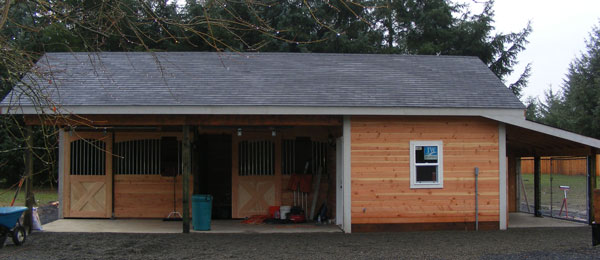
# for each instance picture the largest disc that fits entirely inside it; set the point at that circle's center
(299, 218)
(272, 210)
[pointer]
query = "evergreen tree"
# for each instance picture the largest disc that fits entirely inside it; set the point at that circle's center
(434, 27)
(553, 112)
(582, 89)
(439, 27)
(533, 109)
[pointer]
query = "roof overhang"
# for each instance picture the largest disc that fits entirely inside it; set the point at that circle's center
(262, 110)
(527, 138)
(524, 138)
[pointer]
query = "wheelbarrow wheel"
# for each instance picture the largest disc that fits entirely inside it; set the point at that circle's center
(19, 235)
(3, 237)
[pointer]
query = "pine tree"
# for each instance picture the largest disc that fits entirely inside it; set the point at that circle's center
(582, 89)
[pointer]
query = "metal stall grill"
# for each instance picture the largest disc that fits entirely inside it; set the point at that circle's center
(256, 158)
(319, 156)
(137, 157)
(88, 157)
(288, 156)
(141, 157)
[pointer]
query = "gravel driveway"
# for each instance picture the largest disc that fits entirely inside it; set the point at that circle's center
(539, 243)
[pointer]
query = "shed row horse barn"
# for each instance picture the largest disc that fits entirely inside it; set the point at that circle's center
(398, 139)
(245, 163)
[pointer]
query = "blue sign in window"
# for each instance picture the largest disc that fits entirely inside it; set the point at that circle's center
(430, 152)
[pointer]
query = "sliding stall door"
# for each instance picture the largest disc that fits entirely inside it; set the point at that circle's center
(256, 175)
(88, 176)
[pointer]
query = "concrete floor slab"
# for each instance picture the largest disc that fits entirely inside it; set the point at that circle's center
(159, 226)
(526, 220)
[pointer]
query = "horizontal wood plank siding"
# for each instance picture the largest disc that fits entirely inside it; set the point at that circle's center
(381, 190)
(146, 196)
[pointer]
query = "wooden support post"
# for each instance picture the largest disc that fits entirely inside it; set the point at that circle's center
(591, 174)
(537, 186)
(29, 198)
(186, 167)
(518, 184)
(512, 183)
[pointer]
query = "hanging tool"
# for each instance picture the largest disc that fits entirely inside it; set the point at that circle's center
(17, 192)
(316, 188)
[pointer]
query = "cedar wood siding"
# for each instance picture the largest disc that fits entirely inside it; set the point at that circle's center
(381, 192)
(147, 196)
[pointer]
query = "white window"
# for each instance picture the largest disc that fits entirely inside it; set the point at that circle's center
(426, 164)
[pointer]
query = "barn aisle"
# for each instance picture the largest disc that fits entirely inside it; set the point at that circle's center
(158, 226)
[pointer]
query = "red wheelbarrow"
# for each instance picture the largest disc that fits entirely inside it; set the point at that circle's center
(10, 225)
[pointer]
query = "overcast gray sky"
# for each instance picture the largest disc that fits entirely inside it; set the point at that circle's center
(560, 29)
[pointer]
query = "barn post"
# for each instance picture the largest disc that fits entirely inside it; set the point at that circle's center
(518, 184)
(591, 175)
(347, 174)
(503, 219)
(61, 170)
(186, 167)
(537, 186)
(29, 199)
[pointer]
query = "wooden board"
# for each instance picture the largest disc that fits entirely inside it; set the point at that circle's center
(572, 166)
(147, 196)
(252, 195)
(381, 190)
(87, 196)
(179, 120)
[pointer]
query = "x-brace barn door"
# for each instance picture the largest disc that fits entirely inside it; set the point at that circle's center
(256, 175)
(88, 175)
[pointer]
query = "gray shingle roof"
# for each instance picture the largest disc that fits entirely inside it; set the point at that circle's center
(273, 79)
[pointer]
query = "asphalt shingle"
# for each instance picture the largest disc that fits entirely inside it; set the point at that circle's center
(258, 79)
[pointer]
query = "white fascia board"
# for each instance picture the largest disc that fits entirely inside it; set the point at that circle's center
(264, 110)
(544, 129)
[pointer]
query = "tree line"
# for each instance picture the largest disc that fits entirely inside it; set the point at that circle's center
(28, 29)
(576, 105)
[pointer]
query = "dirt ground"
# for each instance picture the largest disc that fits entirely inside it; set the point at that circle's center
(48, 213)
(542, 243)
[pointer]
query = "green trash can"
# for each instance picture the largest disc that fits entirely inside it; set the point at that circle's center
(201, 211)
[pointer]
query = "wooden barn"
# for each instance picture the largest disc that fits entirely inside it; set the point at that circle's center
(390, 142)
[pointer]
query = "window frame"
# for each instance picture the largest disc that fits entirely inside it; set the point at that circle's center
(413, 165)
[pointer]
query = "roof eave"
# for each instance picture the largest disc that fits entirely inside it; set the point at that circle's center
(264, 110)
(552, 131)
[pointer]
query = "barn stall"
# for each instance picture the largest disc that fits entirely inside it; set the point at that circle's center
(136, 171)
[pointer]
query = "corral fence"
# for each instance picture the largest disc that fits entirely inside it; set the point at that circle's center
(559, 176)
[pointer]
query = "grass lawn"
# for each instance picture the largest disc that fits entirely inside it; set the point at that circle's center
(42, 196)
(551, 193)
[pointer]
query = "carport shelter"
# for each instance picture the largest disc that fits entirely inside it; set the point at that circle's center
(393, 141)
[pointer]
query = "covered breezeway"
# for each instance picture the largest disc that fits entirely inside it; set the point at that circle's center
(149, 167)
(529, 141)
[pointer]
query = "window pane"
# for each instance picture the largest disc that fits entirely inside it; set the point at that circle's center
(426, 154)
(427, 173)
